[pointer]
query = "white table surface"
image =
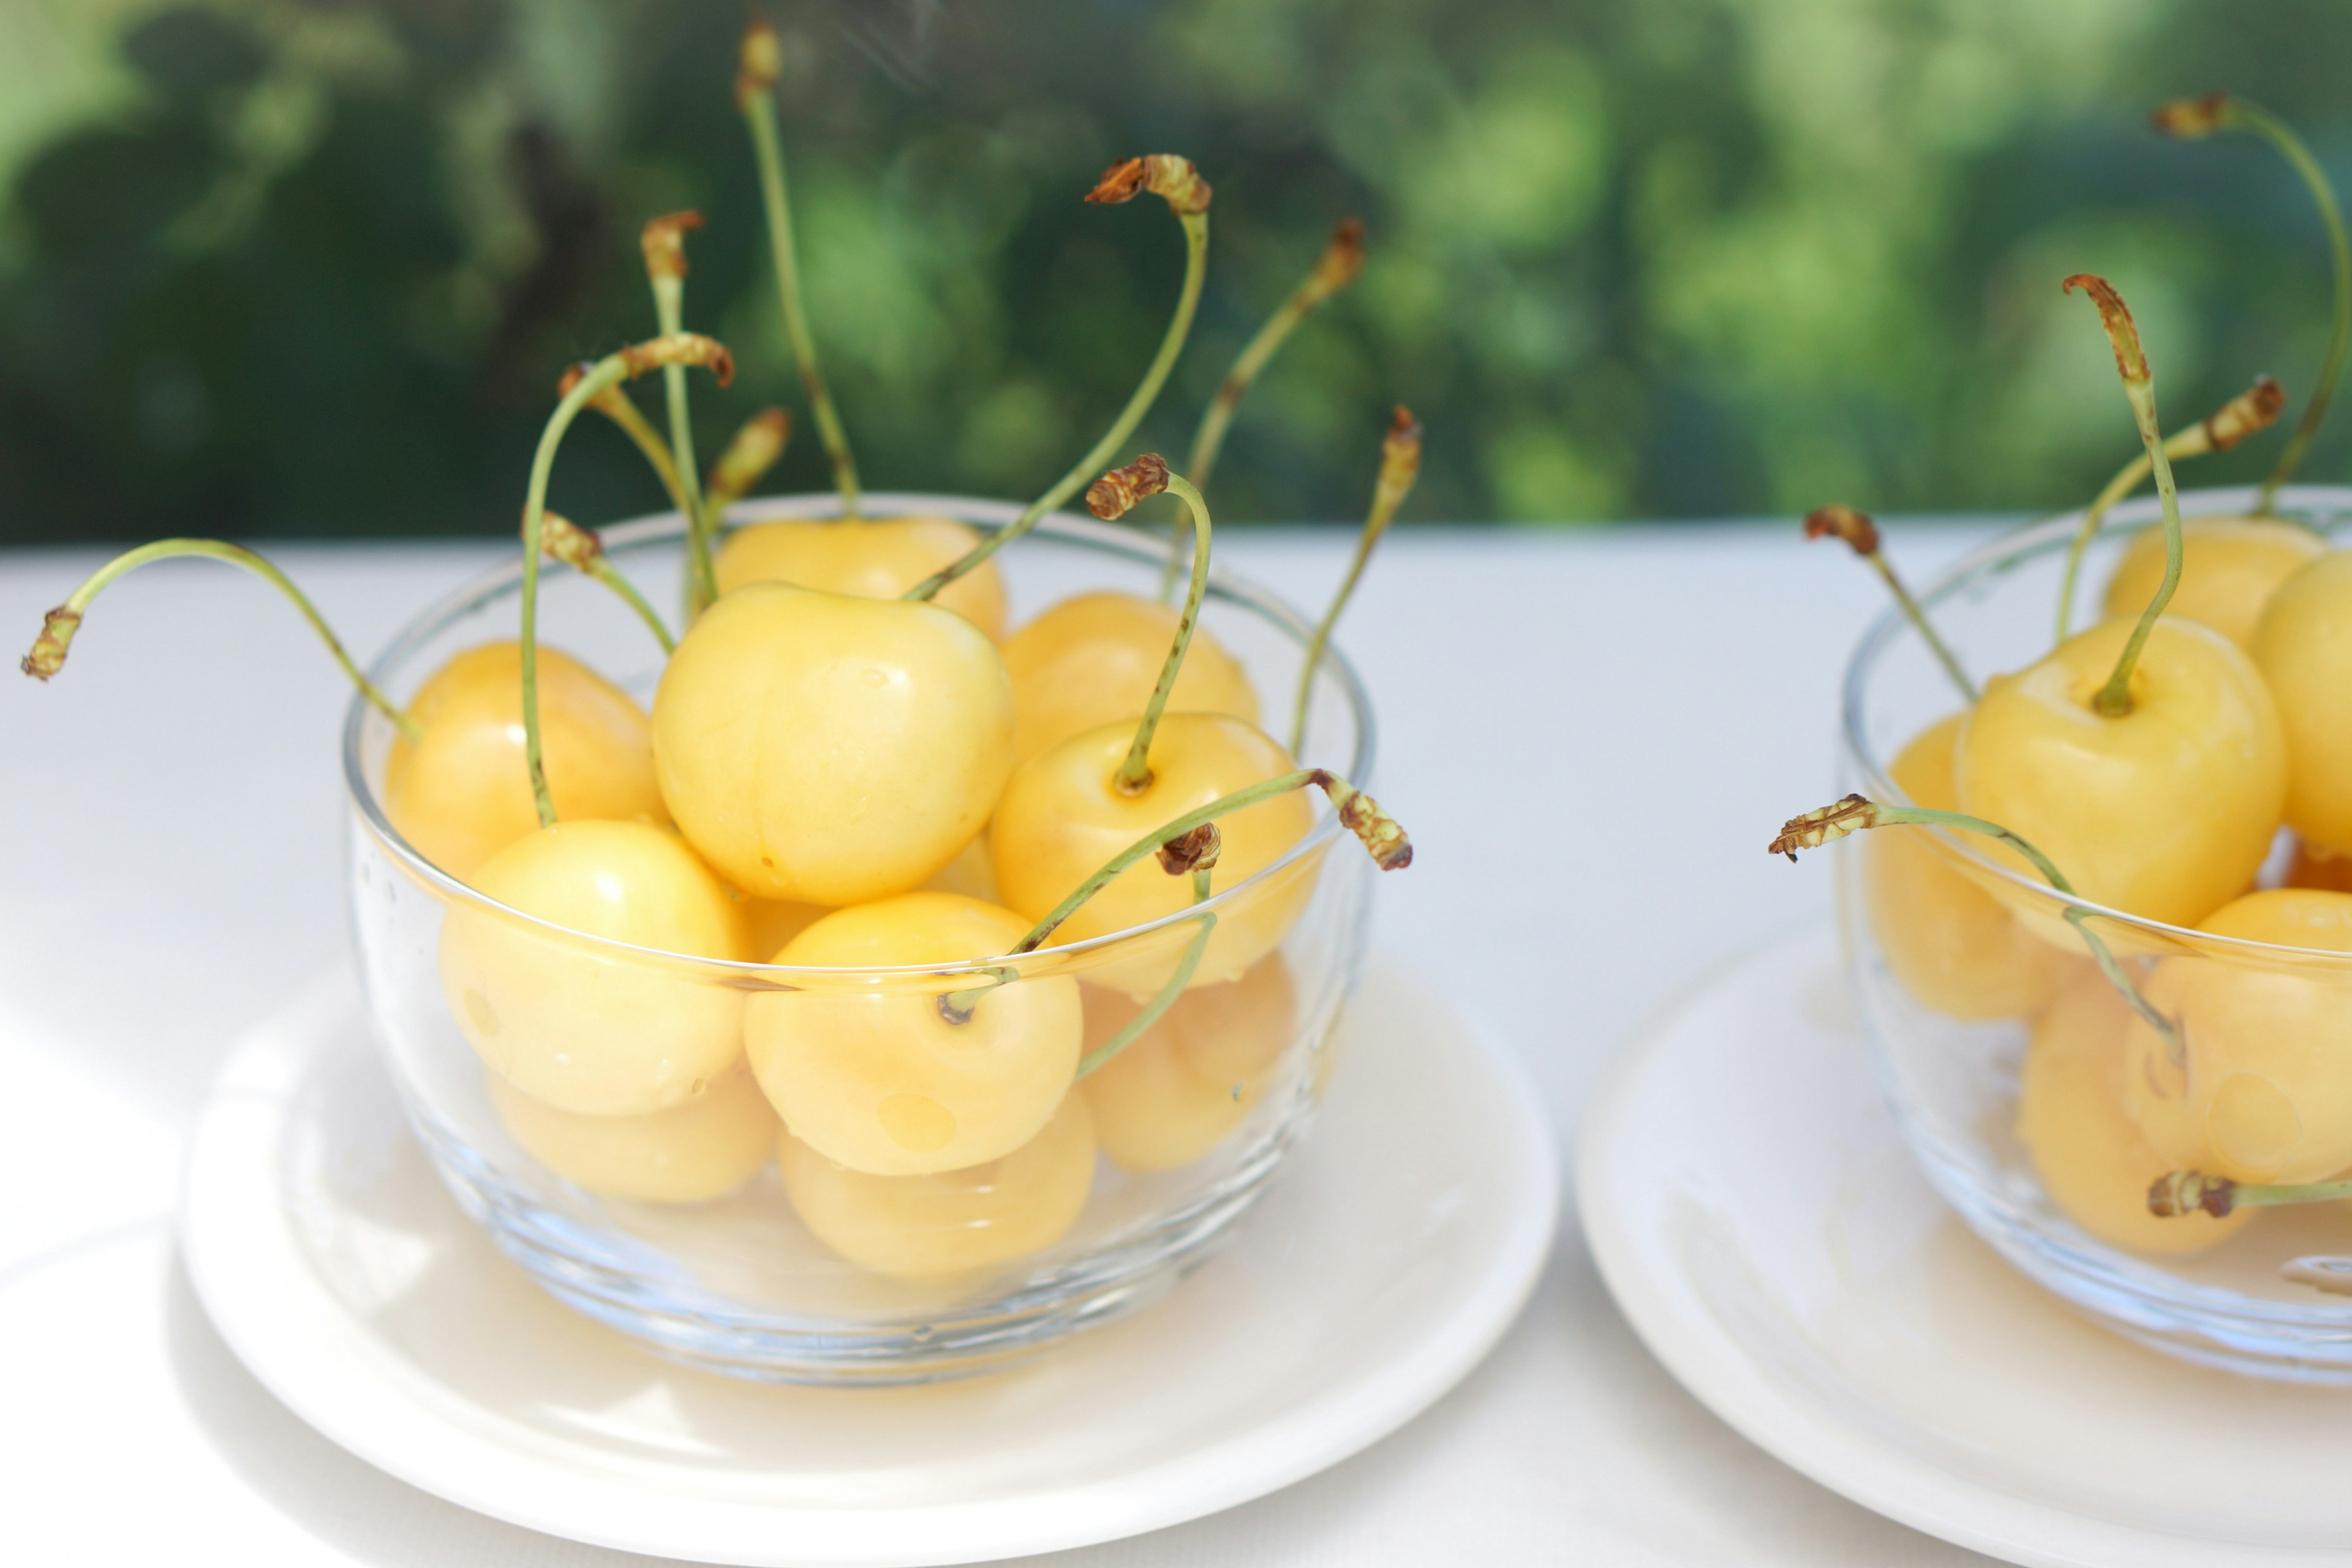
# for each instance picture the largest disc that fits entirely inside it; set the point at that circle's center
(1590, 735)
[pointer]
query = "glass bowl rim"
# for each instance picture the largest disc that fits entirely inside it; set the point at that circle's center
(2011, 547)
(504, 577)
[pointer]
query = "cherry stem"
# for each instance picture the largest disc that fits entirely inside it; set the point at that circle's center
(2255, 408)
(1400, 466)
(581, 548)
(2178, 1193)
(2114, 700)
(1179, 189)
(48, 650)
(1855, 813)
(1359, 813)
(2199, 117)
(750, 452)
(762, 61)
(671, 348)
(663, 243)
(1861, 535)
(614, 406)
(1094, 1060)
(1134, 775)
(1341, 261)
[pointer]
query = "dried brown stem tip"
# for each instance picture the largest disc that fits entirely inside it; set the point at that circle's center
(568, 541)
(749, 454)
(1194, 851)
(2256, 408)
(2188, 119)
(48, 655)
(1831, 823)
(1342, 259)
(759, 59)
(2123, 335)
(1841, 521)
(663, 240)
(1400, 453)
(1382, 835)
(2177, 1192)
(1117, 492)
(1161, 174)
(681, 348)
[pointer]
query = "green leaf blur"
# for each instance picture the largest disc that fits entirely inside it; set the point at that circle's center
(281, 267)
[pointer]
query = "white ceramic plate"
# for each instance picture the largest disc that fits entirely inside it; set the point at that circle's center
(1390, 1255)
(1757, 1219)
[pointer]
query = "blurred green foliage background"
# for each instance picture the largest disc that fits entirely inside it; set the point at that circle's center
(296, 267)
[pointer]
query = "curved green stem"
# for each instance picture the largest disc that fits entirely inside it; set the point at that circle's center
(1196, 251)
(2245, 116)
(760, 113)
(1400, 466)
(1094, 1060)
(1359, 813)
(615, 406)
(1855, 813)
(671, 348)
(1135, 774)
(2178, 1193)
(48, 651)
(702, 580)
(1342, 260)
(604, 571)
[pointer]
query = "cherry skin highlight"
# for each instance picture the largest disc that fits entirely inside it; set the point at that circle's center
(2229, 567)
(460, 794)
(1092, 660)
(1181, 1087)
(878, 1076)
(877, 559)
(574, 1024)
(1064, 814)
(950, 1222)
(2264, 1092)
(2304, 649)
(830, 750)
(697, 1149)
(1953, 945)
(2092, 1158)
(2166, 811)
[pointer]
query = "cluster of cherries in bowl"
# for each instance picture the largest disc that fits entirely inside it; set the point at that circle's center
(2102, 819)
(849, 768)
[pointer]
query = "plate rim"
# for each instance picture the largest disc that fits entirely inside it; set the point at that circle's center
(1710, 1364)
(288, 1328)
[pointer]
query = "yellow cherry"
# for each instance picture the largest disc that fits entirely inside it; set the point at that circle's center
(1176, 1091)
(2166, 811)
(830, 750)
(2229, 567)
(2092, 1158)
(1953, 946)
(871, 559)
(1092, 660)
(2304, 649)
(879, 1076)
(2263, 1092)
(949, 1222)
(1064, 814)
(572, 1023)
(770, 923)
(2320, 868)
(697, 1149)
(460, 793)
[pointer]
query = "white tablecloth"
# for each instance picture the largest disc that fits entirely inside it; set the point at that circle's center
(1592, 735)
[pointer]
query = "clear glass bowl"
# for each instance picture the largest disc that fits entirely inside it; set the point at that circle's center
(1158, 1155)
(2012, 1068)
